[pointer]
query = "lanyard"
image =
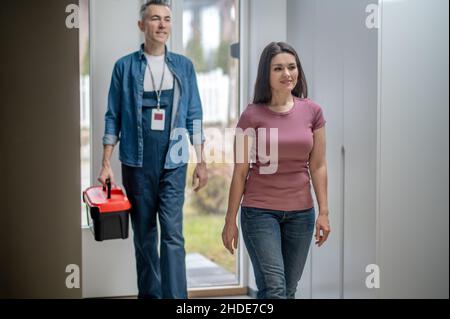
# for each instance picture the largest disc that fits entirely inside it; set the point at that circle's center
(158, 92)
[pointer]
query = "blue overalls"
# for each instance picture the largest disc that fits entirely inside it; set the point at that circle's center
(152, 189)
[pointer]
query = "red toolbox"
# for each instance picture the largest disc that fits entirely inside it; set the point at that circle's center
(109, 210)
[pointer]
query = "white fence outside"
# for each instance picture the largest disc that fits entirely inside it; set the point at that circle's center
(214, 90)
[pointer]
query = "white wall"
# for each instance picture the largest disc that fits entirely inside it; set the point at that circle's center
(267, 24)
(339, 56)
(108, 267)
(407, 134)
(414, 107)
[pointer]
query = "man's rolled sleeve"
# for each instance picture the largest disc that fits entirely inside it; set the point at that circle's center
(109, 139)
(112, 116)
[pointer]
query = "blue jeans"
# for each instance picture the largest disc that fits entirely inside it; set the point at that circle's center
(154, 192)
(278, 243)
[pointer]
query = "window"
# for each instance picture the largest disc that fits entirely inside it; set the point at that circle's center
(209, 29)
(85, 110)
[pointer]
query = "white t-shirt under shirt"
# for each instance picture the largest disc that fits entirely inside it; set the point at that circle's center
(156, 64)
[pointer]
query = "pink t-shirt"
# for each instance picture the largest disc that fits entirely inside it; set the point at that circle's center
(289, 188)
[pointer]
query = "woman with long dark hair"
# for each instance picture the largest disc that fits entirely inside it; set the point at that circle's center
(277, 210)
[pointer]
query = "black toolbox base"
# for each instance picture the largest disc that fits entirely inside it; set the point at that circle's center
(109, 225)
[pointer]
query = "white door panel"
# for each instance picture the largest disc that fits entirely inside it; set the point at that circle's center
(109, 266)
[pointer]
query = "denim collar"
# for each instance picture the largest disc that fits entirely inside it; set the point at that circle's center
(168, 53)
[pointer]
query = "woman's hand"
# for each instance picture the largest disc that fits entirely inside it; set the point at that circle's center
(322, 229)
(230, 235)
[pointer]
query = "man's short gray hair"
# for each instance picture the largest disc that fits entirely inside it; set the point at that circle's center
(154, 2)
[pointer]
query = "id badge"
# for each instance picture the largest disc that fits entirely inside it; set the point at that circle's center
(158, 119)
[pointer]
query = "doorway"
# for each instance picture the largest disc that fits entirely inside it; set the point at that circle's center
(211, 269)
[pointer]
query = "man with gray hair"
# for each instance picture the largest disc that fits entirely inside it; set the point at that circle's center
(153, 102)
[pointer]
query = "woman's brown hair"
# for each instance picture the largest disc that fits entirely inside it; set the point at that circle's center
(263, 91)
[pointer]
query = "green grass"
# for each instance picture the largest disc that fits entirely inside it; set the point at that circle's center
(203, 235)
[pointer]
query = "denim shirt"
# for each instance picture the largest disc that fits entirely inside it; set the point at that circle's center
(123, 118)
